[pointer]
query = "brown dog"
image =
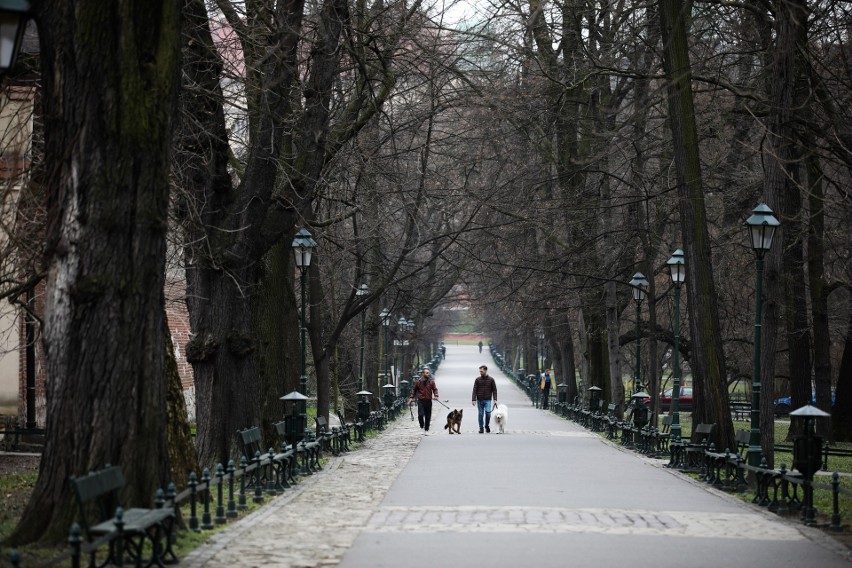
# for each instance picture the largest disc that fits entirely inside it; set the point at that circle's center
(454, 419)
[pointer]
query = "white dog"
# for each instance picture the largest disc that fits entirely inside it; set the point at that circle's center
(501, 416)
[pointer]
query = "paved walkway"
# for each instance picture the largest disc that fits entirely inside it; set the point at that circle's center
(546, 492)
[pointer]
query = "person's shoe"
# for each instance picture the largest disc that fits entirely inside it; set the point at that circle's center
(480, 430)
(487, 429)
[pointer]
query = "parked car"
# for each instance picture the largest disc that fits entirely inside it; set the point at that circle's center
(784, 405)
(685, 404)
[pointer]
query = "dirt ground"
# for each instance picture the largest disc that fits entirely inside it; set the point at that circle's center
(18, 463)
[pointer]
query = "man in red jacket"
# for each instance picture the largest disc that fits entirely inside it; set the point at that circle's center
(425, 390)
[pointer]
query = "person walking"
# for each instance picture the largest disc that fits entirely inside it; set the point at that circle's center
(545, 385)
(480, 347)
(426, 391)
(484, 391)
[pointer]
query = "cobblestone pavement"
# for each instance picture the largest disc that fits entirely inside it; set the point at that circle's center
(313, 524)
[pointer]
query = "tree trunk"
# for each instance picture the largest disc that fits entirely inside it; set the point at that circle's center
(781, 194)
(614, 345)
(818, 293)
(106, 140)
(182, 456)
(841, 412)
(218, 281)
(566, 353)
(278, 349)
(708, 362)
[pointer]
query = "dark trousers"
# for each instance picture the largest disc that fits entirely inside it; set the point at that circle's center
(424, 413)
(545, 395)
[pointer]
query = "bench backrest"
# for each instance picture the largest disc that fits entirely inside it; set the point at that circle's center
(667, 424)
(701, 432)
(322, 424)
(742, 437)
(99, 487)
(281, 431)
(250, 442)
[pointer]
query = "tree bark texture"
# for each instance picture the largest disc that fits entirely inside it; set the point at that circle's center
(708, 362)
(220, 276)
(781, 194)
(841, 412)
(818, 289)
(110, 77)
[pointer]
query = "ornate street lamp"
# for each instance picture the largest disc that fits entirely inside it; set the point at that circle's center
(13, 23)
(677, 270)
(303, 249)
(761, 227)
(385, 317)
(415, 356)
(362, 291)
(640, 286)
(401, 325)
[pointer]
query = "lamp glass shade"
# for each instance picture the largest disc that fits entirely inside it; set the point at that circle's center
(13, 22)
(385, 317)
(363, 290)
(677, 267)
(761, 227)
(303, 247)
(639, 284)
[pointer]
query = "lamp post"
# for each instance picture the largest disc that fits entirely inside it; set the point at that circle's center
(362, 291)
(13, 23)
(385, 317)
(677, 270)
(303, 249)
(639, 285)
(761, 227)
(402, 324)
(415, 356)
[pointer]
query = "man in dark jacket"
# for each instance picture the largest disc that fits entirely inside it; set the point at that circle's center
(425, 390)
(484, 390)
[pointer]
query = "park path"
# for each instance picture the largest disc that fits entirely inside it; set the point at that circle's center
(546, 492)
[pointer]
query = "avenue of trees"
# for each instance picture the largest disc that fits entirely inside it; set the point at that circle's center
(526, 160)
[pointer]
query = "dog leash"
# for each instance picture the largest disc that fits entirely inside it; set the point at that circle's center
(442, 404)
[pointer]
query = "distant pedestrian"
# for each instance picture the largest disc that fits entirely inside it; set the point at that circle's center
(443, 351)
(425, 390)
(484, 391)
(545, 385)
(480, 347)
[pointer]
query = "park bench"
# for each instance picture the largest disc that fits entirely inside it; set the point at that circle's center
(740, 407)
(693, 449)
(662, 437)
(326, 437)
(306, 451)
(347, 429)
(723, 469)
(611, 420)
(97, 496)
(272, 471)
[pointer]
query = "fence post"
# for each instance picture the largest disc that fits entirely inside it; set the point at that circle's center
(232, 506)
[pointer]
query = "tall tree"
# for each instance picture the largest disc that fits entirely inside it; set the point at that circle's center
(708, 361)
(107, 137)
